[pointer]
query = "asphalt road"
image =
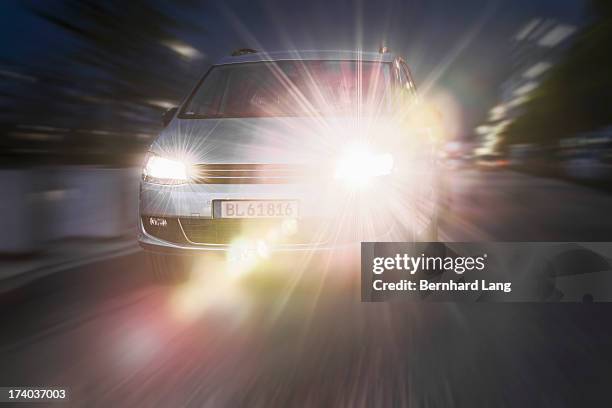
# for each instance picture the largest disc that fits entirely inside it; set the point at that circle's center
(298, 335)
(509, 206)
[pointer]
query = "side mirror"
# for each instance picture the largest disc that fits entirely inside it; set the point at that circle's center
(168, 115)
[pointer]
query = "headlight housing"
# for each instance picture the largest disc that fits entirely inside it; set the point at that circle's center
(358, 166)
(161, 170)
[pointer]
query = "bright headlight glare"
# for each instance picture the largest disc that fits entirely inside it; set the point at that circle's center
(164, 170)
(359, 165)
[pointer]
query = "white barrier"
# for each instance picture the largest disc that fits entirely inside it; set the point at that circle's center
(43, 205)
(19, 212)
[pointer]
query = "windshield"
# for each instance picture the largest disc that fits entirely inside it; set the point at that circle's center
(292, 88)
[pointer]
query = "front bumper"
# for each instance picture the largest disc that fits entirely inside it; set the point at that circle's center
(319, 237)
(190, 226)
(330, 216)
(153, 244)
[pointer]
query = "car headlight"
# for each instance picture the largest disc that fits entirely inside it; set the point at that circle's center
(359, 165)
(161, 170)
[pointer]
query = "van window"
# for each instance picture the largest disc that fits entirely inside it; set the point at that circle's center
(292, 88)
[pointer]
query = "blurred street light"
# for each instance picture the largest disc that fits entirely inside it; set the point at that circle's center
(557, 35)
(537, 70)
(527, 29)
(184, 50)
(525, 89)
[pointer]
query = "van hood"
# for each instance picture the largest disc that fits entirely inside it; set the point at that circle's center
(259, 140)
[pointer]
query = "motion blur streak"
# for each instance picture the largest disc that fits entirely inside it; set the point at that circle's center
(293, 333)
(524, 92)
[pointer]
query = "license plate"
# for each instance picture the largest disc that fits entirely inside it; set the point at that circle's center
(259, 209)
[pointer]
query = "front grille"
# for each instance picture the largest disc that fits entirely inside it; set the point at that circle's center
(226, 230)
(250, 173)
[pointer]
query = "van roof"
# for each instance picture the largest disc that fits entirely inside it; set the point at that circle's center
(330, 55)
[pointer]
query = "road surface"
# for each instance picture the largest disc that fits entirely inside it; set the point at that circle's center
(286, 338)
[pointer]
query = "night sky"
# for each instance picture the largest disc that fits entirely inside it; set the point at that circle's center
(457, 49)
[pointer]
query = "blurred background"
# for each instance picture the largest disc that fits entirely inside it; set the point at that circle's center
(522, 86)
(525, 92)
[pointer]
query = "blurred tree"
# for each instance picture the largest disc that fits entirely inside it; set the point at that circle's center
(576, 94)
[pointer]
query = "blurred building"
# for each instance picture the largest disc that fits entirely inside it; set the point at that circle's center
(535, 48)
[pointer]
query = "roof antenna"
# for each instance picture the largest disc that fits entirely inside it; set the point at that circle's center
(243, 51)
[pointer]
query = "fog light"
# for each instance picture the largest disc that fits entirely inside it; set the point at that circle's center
(158, 222)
